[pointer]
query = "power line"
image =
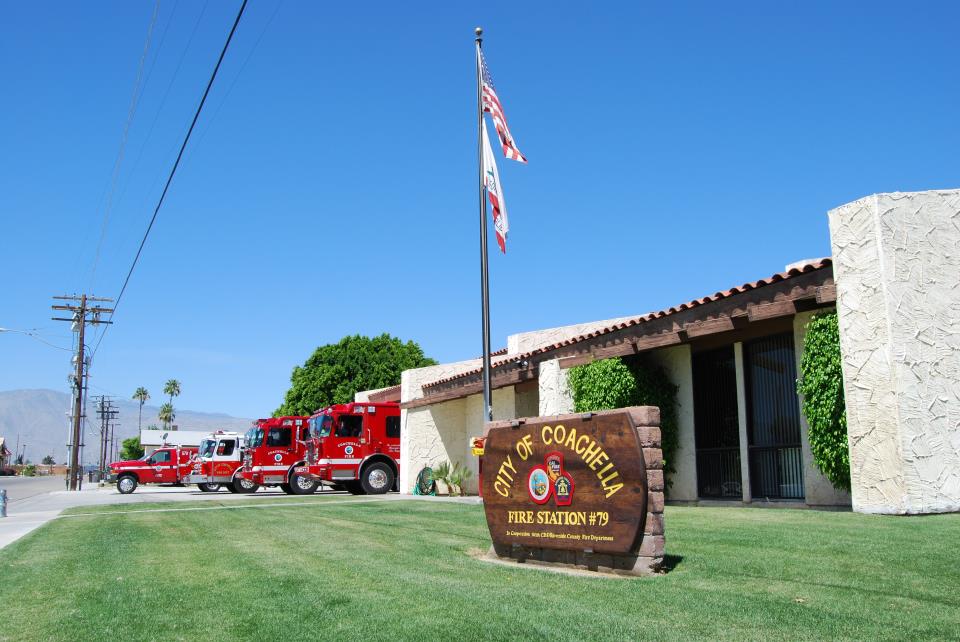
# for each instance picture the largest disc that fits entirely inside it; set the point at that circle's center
(173, 170)
(131, 112)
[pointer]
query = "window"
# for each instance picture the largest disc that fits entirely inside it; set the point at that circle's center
(393, 427)
(160, 457)
(350, 426)
(225, 448)
(278, 437)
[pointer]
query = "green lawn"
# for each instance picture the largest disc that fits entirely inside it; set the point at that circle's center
(391, 570)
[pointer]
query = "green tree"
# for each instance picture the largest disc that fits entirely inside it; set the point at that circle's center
(629, 381)
(335, 372)
(166, 415)
(131, 448)
(821, 385)
(48, 460)
(141, 395)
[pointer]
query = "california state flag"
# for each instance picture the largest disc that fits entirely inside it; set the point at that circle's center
(491, 180)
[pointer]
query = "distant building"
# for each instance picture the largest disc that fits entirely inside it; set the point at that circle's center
(150, 440)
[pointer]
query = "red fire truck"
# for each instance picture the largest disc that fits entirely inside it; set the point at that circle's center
(274, 448)
(165, 465)
(217, 463)
(357, 445)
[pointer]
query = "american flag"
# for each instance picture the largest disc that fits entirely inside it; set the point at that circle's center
(491, 103)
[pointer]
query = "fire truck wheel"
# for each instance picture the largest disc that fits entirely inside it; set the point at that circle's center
(354, 487)
(127, 484)
(286, 489)
(241, 485)
(377, 478)
(208, 488)
(301, 485)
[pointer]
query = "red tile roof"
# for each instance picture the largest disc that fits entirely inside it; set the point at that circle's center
(746, 287)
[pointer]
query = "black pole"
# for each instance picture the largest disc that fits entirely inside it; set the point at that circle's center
(484, 273)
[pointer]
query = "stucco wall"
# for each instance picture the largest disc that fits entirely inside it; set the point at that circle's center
(429, 435)
(555, 396)
(897, 268)
(441, 432)
(818, 490)
(676, 361)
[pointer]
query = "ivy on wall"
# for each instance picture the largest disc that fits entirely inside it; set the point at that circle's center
(821, 385)
(622, 382)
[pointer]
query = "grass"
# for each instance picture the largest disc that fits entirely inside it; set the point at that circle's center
(397, 570)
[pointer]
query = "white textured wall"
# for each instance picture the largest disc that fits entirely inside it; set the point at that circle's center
(427, 432)
(897, 268)
(676, 361)
(555, 395)
(441, 432)
(818, 491)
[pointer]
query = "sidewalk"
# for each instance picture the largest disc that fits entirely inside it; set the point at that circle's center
(29, 514)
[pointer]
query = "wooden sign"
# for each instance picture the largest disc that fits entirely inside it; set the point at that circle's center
(577, 482)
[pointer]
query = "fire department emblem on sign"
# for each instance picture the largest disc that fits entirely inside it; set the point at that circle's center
(550, 479)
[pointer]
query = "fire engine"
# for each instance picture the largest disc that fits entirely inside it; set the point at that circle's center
(357, 445)
(218, 463)
(274, 449)
(165, 465)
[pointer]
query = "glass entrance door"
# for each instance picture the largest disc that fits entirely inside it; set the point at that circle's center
(716, 426)
(773, 418)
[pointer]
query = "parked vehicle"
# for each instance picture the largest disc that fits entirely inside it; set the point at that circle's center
(165, 465)
(274, 449)
(217, 464)
(357, 445)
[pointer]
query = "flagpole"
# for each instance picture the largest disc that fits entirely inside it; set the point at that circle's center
(484, 273)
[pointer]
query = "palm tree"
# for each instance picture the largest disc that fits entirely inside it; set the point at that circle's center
(142, 396)
(172, 388)
(166, 415)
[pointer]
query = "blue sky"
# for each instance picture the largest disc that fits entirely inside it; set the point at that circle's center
(329, 189)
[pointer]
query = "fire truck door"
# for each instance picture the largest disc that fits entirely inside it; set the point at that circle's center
(345, 447)
(224, 458)
(162, 466)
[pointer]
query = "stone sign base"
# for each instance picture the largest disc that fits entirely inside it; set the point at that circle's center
(647, 556)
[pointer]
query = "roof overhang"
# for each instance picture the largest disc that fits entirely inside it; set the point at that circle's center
(799, 289)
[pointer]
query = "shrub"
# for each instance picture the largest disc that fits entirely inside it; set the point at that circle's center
(821, 385)
(618, 383)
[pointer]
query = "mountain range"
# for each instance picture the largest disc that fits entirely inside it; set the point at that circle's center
(41, 418)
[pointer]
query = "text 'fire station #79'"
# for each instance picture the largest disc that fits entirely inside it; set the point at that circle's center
(576, 482)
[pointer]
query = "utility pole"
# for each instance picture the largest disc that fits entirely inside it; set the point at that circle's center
(107, 412)
(82, 315)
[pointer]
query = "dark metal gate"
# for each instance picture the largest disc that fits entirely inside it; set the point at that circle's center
(773, 418)
(716, 426)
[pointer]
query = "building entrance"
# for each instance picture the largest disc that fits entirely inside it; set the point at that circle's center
(716, 426)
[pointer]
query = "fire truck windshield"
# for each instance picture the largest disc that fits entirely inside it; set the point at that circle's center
(321, 426)
(254, 437)
(206, 447)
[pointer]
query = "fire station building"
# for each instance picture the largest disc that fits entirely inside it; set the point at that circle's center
(894, 278)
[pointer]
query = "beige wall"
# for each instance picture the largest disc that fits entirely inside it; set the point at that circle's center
(441, 432)
(897, 268)
(555, 396)
(676, 361)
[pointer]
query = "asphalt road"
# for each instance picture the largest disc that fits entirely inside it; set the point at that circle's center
(22, 488)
